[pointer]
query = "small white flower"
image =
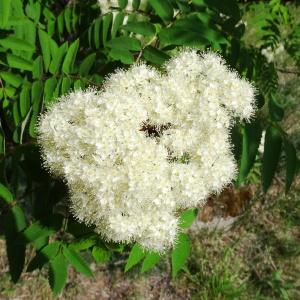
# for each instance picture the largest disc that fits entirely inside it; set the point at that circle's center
(146, 146)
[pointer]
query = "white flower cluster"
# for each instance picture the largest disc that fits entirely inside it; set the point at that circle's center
(147, 146)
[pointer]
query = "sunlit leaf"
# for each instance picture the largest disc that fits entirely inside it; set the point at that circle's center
(180, 253)
(135, 256)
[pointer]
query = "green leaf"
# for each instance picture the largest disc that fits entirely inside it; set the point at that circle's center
(135, 256)
(36, 97)
(10, 91)
(49, 88)
(115, 247)
(16, 113)
(23, 125)
(56, 93)
(291, 164)
(37, 71)
(163, 8)
(236, 139)
(16, 44)
(57, 57)
(66, 85)
(79, 84)
(136, 4)
(4, 12)
(118, 21)
(41, 242)
(251, 139)
(12, 79)
(33, 10)
(96, 34)
(122, 54)
(44, 256)
(272, 150)
(5, 194)
(18, 62)
(84, 243)
(125, 43)
(45, 46)
(106, 21)
(122, 3)
(276, 111)
(87, 64)
(77, 261)
(58, 273)
(150, 261)
(36, 94)
(180, 36)
(32, 233)
(2, 142)
(155, 56)
(67, 15)
(60, 23)
(143, 28)
(68, 64)
(184, 6)
(180, 253)
(188, 217)
(53, 49)
(97, 79)
(100, 254)
(24, 101)
(191, 31)
(14, 223)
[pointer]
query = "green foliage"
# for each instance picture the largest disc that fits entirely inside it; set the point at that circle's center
(188, 217)
(291, 163)
(251, 136)
(32, 233)
(5, 194)
(135, 256)
(150, 261)
(48, 50)
(272, 150)
(100, 253)
(44, 256)
(58, 273)
(163, 8)
(180, 253)
(15, 223)
(77, 262)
